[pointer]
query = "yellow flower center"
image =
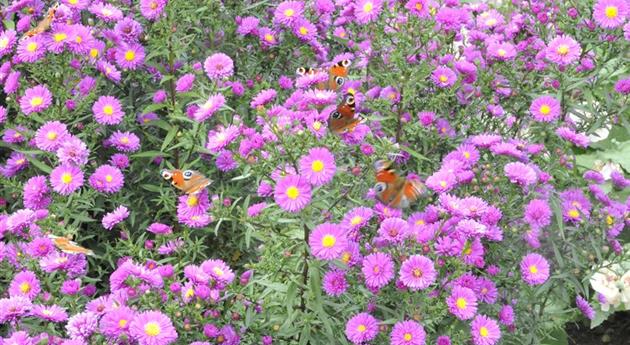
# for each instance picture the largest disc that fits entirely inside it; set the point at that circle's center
(109, 178)
(73, 2)
(269, 38)
(78, 39)
(361, 328)
(563, 49)
(610, 220)
(124, 140)
(356, 220)
(152, 329)
(342, 34)
(317, 166)
(346, 257)
(533, 269)
(289, 12)
(4, 42)
(25, 287)
(108, 110)
(468, 250)
(303, 30)
(417, 273)
(328, 241)
(419, 6)
(130, 55)
(31, 47)
(407, 337)
(154, 5)
(574, 213)
(122, 323)
(461, 303)
(292, 192)
(47, 312)
(107, 12)
(94, 53)
(420, 222)
(368, 7)
(66, 178)
(37, 101)
(218, 271)
(443, 78)
(192, 201)
(491, 22)
(190, 292)
(483, 331)
(58, 37)
(611, 12)
(501, 52)
(51, 135)
(545, 109)
(443, 184)
(351, 90)
(376, 269)
(466, 154)
(317, 125)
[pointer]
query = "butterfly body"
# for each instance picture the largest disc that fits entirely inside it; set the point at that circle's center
(188, 181)
(343, 120)
(394, 190)
(45, 23)
(336, 75)
(67, 246)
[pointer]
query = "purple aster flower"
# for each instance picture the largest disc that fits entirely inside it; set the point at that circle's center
(31, 49)
(130, 56)
(160, 229)
(152, 328)
(501, 51)
(292, 193)
(462, 303)
(563, 50)
(263, 97)
(124, 141)
(36, 193)
(327, 241)
(506, 315)
(545, 109)
(361, 328)
(25, 284)
(7, 41)
(268, 37)
(152, 9)
(304, 30)
(219, 66)
(66, 179)
(393, 230)
(225, 161)
(573, 137)
(366, 11)
(334, 283)
(584, 307)
(534, 269)
(107, 179)
(378, 270)
(408, 333)
(13, 308)
(82, 325)
(622, 86)
(318, 167)
(73, 151)
(128, 29)
(35, 99)
(52, 313)
(119, 160)
(417, 272)
(520, 174)
(106, 12)
(211, 106)
(538, 213)
(444, 77)
(118, 215)
(248, 25)
(485, 331)
(107, 110)
(218, 270)
(51, 135)
(40, 246)
(610, 14)
(288, 12)
(115, 322)
(185, 83)
(110, 71)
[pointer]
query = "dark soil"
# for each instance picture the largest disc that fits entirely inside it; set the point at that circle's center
(614, 331)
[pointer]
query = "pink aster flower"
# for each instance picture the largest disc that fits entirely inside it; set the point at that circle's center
(304, 30)
(407, 333)
(366, 11)
(563, 50)
(107, 110)
(218, 66)
(417, 272)
(31, 49)
(130, 56)
(107, 179)
(185, 83)
(211, 106)
(152, 328)
(124, 141)
(318, 167)
(51, 135)
(520, 174)
(263, 97)
(7, 41)
(25, 284)
(116, 321)
(419, 8)
(444, 77)
(361, 328)
(545, 109)
(327, 241)
(320, 97)
(334, 283)
(112, 218)
(501, 51)
(35, 99)
(485, 331)
(538, 213)
(462, 303)
(378, 270)
(292, 193)
(52, 313)
(218, 270)
(610, 14)
(288, 12)
(268, 37)
(36, 193)
(572, 136)
(534, 269)
(106, 12)
(221, 137)
(152, 9)
(66, 179)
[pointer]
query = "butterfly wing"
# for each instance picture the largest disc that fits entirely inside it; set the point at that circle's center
(343, 120)
(340, 69)
(394, 190)
(196, 183)
(44, 24)
(69, 247)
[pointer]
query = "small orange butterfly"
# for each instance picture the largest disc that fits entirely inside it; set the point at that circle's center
(188, 181)
(45, 23)
(65, 245)
(343, 120)
(394, 190)
(337, 74)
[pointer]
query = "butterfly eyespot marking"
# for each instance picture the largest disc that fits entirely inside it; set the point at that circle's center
(188, 174)
(380, 187)
(345, 63)
(166, 174)
(301, 71)
(349, 99)
(336, 115)
(339, 81)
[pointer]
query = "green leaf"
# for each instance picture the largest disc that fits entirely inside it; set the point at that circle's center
(556, 337)
(150, 154)
(40, 165)
(600, 316)
(169, 137)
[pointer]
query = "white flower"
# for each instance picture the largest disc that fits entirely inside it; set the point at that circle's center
(625, 289)
(605, 281)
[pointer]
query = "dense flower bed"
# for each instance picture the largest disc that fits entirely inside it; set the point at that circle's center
(312, 172)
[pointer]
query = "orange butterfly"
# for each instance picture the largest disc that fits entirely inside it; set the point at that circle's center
(337, 74)
(65, 245)
(188, 181)
(45, 23)
(343, 120)
(394, 190)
